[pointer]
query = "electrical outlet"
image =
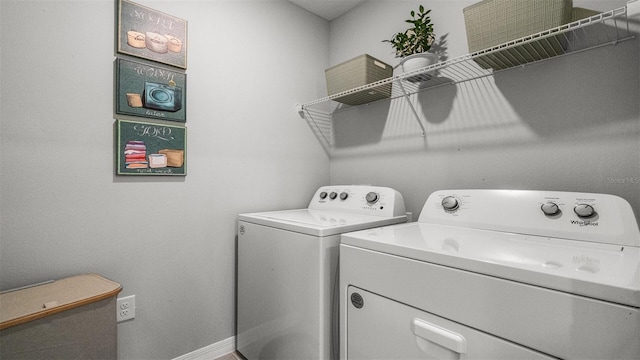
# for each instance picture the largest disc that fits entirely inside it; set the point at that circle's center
(126, 308)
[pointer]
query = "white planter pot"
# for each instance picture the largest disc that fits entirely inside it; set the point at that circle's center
(418, 61)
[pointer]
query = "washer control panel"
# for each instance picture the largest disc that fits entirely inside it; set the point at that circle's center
(580, 216)
(363, 199)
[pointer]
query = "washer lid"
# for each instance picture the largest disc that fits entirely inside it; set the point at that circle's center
(601, 271)
(319, 222)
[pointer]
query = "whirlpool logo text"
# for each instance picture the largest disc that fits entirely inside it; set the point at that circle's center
(584, 223)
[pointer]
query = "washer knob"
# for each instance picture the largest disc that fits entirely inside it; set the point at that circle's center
(344, 196)
(333, 195)
(584, 210)
(550, 208)
(372, 197)
(323, 195)
(450, 203)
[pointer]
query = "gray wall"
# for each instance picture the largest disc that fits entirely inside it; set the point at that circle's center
(169, 240)
(567, 124)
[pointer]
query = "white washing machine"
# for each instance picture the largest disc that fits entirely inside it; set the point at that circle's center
(495, 274)
(287, 269)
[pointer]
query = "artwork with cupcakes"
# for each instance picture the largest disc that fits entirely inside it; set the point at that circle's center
(151, 34)
(147, 89)
(150, 91)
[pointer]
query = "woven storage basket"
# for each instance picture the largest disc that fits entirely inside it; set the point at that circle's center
(357, 72)
(494, 22)
(175, 157)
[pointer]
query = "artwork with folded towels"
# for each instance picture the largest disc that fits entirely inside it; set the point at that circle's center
(145, 148)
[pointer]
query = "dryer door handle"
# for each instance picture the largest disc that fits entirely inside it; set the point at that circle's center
(440, 336)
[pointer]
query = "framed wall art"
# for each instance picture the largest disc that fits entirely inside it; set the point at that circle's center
(144, 148)
(151, 34)
(150, 91)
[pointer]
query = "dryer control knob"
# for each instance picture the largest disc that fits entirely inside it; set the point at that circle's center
(450, 203)
(333, 195)
(550, 208)
(323, 195)
(584, 210)
(372, 197)
(344, 196)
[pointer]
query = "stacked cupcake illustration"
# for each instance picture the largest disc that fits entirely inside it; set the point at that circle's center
(135, 155)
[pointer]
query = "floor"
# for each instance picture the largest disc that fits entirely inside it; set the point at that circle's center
(231, 356)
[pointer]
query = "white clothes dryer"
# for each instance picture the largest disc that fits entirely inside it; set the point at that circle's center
(287, 269)
(495, 274)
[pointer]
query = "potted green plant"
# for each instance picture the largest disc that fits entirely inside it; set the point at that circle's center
(412, 44)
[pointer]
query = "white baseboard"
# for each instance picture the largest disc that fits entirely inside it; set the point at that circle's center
(211, 352)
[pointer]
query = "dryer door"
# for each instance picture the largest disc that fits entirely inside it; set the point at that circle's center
(380, 328)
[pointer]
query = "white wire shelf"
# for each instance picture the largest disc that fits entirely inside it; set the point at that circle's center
(607, 28)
